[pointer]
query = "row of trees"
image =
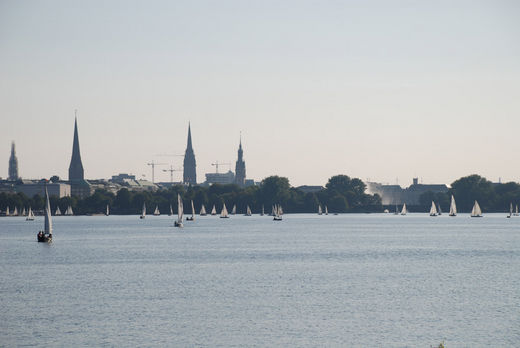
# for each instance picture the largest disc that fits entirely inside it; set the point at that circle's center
(341, 194)
(491, 197)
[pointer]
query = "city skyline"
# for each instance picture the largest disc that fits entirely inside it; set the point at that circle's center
(380, 92)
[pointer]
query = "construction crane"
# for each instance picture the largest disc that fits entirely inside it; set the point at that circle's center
(216, 164)
(153, 164)
(171, 170)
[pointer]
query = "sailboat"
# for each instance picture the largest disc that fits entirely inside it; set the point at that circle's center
(180, 212)
(58, 211)
(516, 211)
(15, 212)
(319, 209)
(171, 211)
(69, 211)
(234, 210)
(510, 210)
(439, 209)
(45, 236)
(248, 211)
(7, 211)
(433, 210)
(263, 213)
(453, 207)
(30, 215)
(203, 211)
(224, 213)
(143, 214)
(192, 217)
(277, 212)
(213, 210)
(476, 211)
(404, 210)
(156, 212)
(23, 212)
(326, 210)
(107, 213)
(273, 212)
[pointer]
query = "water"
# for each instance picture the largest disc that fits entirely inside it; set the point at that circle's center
(348, 280)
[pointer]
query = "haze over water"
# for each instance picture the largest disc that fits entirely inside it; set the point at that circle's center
(346, 280)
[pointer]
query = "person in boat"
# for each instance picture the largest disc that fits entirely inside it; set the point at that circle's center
(40, 234)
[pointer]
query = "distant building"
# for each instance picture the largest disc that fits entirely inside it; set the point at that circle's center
(310, 189)
(220, 178)
(13, 164)
(119, 178)
(190, 166)
(31, 188)
(395, 194)
(240, 167)
(131, 183)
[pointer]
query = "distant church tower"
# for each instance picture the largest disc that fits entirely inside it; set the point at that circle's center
(13, 164)
(190, 172)
(240, 167)
(76, 167)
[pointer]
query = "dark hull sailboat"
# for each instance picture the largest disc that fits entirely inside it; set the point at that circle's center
(45, 236)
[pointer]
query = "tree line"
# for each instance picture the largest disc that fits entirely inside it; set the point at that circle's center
(341, 194)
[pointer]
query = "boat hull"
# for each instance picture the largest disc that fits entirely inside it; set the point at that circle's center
(44, 238)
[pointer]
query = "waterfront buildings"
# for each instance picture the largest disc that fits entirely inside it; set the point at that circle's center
(396, 195)
(220, 178)
(190, 166)
(13, 164)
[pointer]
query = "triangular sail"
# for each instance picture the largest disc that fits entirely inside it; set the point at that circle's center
(234, 210)
(180, 211)
(58, 211)
(143, 214)
(453, 207)
(192, 210)
(202, 210)
(248, 211)
(15, 212)
(23, 211)
(30, 215)
(224, 212)
(433, 210)
(404, 211)
(48, 217)
(319, 209)
(7, 211)
(476, 211)
(213, 210)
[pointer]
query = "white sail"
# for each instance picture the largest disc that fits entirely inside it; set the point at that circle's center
(180, 212)
(213, 210)
(439, 211)
(192, 210)
(30, 215)
(280, 210)
(143, 213)
(433, 210)
(224, 212)
(277, 212)
(453, 207)
(476, 211)
(516, 211)
(510, 209)
(234, 210)
(248, 211)
(319, 209)
(7, 211)
(23, 212)
(48, 217)
(15, 212)
(156, 211)
(108, 211)
(326, 210)
(58, 211)
(202, 210)
(274, 210)
(404, 211)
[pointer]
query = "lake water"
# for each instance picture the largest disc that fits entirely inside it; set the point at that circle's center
(348, 280)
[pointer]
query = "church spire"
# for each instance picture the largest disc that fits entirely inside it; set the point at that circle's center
(76, 167)
(240, 166)
(13, 164)
(190, 165)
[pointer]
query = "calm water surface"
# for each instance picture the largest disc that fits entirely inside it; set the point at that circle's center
(347, 280)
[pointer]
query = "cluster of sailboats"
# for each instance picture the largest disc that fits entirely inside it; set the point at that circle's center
(277, 212)
(28, 213)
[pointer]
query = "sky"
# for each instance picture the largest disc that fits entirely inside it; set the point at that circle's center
(380, 90)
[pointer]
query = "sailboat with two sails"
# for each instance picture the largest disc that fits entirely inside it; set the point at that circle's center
(45, 236)
(453, 207)
(433, 210)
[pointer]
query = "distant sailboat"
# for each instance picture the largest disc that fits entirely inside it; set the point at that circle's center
(171, 211)
(273, 212)
(439, 211)
(69, 211)
(58, 211)
(15, 212)
(433, 210)
(30, 215)
(107, 213)
(453, 207)
(516, 211)
(203, 211)
(7, 211)
(476, 211)
(23, 212)
(46, 234)
(192, 217)
(326, 210)
(224, 213)
(277, 213)
(248, 211)
(143, 213)
(234, 210)
(156, 212)
(213, 210)
(404, 210)
(180, 212)
(510, 210)
(319, 209)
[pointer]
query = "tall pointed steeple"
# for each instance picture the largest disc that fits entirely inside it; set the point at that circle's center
(76, 167)
(13, 164)
(190, 165)
(240, 166)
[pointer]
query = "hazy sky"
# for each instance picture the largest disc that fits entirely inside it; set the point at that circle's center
(371, 89)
